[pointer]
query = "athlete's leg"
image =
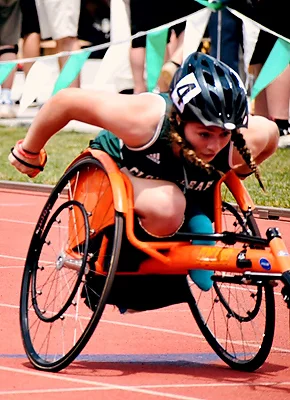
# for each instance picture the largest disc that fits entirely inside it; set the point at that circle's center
(159, 204)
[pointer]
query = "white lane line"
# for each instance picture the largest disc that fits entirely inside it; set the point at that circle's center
(162, 330)
(43, 391)
(193, 335)
(151, 328)
(17, 221)
(226, 384)
(165, 386)
(145, 327)
(17, 204)
(8, 305)
(12, 257)
(125, 388)
(21, 259)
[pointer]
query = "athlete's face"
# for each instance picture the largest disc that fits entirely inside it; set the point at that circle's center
(206, 141)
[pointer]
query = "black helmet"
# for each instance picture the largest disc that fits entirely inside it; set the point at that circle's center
(207, 90)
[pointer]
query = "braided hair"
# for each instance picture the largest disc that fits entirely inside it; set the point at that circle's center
(240, 144)
(176, 136)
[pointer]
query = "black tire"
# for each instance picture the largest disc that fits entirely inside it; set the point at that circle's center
(62, 295)
(237, 318)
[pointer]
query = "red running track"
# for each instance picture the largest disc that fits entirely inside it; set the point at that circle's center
(157, 354)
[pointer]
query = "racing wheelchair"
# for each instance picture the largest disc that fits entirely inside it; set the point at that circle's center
(86, 252)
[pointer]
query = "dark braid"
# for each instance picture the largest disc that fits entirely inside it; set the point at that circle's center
(240, 144)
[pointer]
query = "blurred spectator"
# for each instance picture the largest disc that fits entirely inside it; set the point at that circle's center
(94, 24)
(226, 37)
(59, 20)
(146, 15)
(174, 55)
(30, 32)
(10, 26)
(273, 101)
(225, 32)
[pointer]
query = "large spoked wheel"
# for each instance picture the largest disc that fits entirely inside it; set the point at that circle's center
(237, 318)
(70, 266)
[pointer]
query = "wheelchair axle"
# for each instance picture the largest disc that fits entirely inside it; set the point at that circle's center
(63, 261)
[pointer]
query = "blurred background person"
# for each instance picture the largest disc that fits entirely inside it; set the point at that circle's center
(59, 20)
(225, 31)
(30, 35)
(273, 101)
(10, 27)
(30, 32)
(94, 25)
(146, 15)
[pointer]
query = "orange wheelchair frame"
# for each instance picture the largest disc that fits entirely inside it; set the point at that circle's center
(66, 286)
(179, 256)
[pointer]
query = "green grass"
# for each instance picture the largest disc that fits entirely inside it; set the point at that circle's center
(64, 146)
(275, 174)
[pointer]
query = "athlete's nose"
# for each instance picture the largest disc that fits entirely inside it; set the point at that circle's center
(214, 145)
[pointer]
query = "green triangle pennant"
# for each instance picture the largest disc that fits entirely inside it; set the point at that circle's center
(5, 70)
(214, 6)
(70, 70)
(155, 50)
(275, 64)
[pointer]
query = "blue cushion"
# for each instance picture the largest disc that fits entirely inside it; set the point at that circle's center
(200, 223)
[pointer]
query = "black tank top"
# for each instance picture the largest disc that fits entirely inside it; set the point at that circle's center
(158, 161)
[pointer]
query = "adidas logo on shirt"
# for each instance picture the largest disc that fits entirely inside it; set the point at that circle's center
(155, 157)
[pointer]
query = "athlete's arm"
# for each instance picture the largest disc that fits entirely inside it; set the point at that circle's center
(133, 118)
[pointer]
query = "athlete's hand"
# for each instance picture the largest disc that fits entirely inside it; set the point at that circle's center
(27, 163)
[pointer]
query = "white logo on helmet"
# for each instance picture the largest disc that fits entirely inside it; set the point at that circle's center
(185, 90)
(229, 126)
